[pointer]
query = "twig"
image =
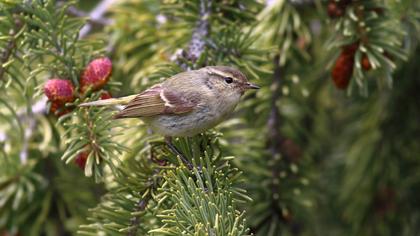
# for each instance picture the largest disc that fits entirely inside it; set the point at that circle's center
(5, 55)
(11, 45)
(95, 15)
(273, 122)
(29, 118)
(255, 229)
(294, 3)
(273, 126)
(142, 203)
(198, 40)
(302, 3)
(276, 139)
(40, 107)
(197, 43)
(101, 21)
(135, 221)
(23, 155)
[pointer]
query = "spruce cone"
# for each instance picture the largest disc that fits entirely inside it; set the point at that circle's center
(59, 91)
(343, 70)
(96, 74)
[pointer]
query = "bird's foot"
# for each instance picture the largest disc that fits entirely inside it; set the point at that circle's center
(174, 150)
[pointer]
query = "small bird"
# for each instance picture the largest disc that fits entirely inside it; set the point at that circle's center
(187, 103)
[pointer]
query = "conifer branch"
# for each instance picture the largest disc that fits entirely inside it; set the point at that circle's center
(273, 126)
(197, 43)
(5, 55)
(276, 140)
(302, 3)
(96, 15)
(274, 118)
(100, 21)
(38, 107)
(11, 45)
(142, 203)
(135, 221)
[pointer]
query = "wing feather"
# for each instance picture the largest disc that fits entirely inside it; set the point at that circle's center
(156, 101)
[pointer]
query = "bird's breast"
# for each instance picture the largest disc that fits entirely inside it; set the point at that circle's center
(199, 120)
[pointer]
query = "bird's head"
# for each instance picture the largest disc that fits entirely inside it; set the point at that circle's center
(227, 80)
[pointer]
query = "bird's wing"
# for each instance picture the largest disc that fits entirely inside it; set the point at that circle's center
(156, 101)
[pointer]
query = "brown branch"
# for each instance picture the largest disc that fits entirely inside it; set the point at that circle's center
(11, 45)
(197, 43)
(95, 15)
(4, 58)
(295, 3)
(201, 31)
(302, 3)
(279, 152)
(273, 123)
(135, 221)
(274, 136)
(142, 203)
(100, 21)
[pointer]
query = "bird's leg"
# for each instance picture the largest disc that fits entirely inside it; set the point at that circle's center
(168, 141)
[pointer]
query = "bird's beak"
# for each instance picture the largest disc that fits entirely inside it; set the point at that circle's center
(251, 86)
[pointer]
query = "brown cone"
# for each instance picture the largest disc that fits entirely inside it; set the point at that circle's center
(343, 70)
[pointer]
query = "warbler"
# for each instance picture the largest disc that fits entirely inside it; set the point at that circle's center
(187, 103)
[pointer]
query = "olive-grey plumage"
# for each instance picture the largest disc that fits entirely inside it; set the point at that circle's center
(186, 103)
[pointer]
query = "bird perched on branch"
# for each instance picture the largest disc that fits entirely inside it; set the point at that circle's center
(187, 103)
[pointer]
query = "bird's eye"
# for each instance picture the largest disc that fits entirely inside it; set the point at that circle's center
(228, 80)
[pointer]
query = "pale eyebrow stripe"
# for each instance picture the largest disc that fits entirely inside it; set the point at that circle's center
(218, 72)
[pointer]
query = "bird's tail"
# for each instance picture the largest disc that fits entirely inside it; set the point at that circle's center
(109, 102)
